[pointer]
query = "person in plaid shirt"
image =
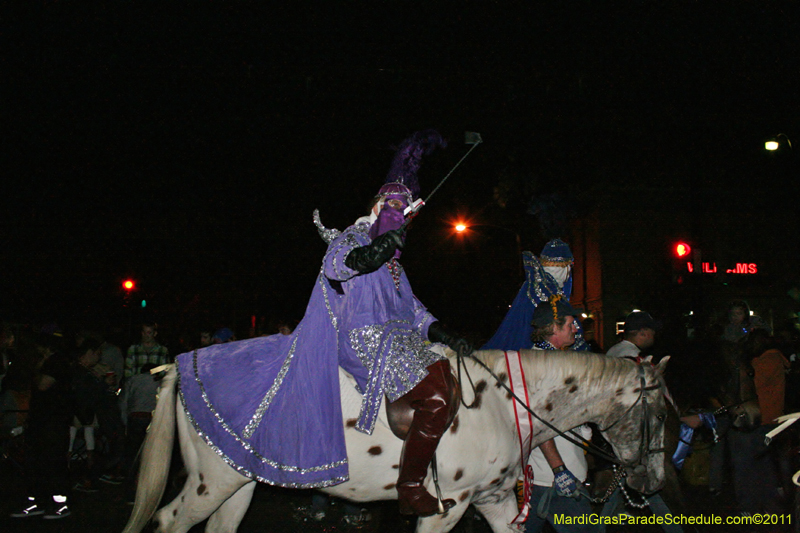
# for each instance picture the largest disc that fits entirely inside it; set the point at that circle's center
(147, 351)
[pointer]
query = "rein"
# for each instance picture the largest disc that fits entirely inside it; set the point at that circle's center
(570, 435)
(644, 448)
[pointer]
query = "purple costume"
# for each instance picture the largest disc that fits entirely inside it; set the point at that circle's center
(265, 404)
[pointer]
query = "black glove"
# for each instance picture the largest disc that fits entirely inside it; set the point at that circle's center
(369, 258)
(460, 345)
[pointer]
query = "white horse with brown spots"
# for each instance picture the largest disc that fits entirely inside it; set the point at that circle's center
(478, 457)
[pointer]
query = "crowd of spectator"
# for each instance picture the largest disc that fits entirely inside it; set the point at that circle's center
(76, 406)
(76, 403)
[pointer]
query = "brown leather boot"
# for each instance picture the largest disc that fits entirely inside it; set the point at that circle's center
(430, 400)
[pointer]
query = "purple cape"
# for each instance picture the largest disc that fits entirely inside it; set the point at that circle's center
(265, 404)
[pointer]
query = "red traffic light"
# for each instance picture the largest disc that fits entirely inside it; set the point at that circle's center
(128, 285)
(682, 249)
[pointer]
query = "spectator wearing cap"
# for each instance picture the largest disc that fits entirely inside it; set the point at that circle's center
(554, 325)
(639, 334)
(222, 336)
(557, 463)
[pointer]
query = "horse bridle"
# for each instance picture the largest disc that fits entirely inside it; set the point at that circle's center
(644, 447)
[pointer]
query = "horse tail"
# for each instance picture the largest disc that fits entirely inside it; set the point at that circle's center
(155, 454)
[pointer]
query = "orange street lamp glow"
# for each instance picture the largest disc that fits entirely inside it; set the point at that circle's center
(461, 227)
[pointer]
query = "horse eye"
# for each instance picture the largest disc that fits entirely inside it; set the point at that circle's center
(661, 417)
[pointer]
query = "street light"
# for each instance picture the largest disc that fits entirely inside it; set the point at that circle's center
(776, 142)
(462, 227)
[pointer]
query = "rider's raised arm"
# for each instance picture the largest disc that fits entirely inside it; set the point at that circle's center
(334, 263)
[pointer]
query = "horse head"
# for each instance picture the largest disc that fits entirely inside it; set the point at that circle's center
(635, 426)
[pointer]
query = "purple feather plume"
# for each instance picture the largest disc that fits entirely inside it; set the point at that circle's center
(408, 158)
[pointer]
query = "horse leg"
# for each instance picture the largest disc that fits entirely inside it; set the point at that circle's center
(227, 518)
(497, 513)
(442, 523)
(210, 482)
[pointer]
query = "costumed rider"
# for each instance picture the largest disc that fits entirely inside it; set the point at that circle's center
(265, 404)
(384, 327)
(547, 276)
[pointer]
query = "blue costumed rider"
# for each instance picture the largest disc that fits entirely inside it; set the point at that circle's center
(548, 276)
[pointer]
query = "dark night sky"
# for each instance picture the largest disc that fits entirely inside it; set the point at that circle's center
(187, 143)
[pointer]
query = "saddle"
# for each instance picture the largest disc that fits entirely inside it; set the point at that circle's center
(400, 413)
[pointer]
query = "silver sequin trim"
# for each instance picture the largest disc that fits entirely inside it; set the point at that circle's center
(351, 242)
(245, 445)
(539, 283)
(426, 317)
(267, 400)
(366, 343)
(321, 280)
(363, 229)
(408, 356)
(327, 234)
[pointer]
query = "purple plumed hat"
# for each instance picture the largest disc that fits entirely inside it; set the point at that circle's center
(402, 176)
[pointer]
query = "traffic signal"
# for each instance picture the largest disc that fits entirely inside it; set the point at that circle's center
(128, 288)
(681, 261)
(682, 249)
(686, 260)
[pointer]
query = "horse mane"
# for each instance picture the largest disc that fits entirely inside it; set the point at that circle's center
(592, 369)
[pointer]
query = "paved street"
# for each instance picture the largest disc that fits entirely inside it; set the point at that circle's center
(274, 511)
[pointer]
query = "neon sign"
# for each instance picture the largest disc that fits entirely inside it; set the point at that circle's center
(739, 268)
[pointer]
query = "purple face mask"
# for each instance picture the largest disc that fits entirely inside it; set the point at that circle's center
(390, 217)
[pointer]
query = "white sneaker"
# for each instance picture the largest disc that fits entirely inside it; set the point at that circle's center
(58, 512)
(31, 510)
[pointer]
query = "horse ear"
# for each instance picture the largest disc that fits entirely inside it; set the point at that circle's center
(662, 365)
(648, 359)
